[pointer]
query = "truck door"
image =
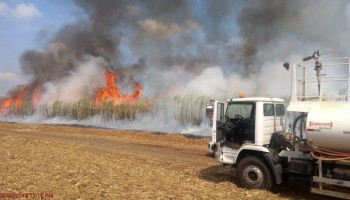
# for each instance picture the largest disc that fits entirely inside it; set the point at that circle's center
(273, 120)
(269, 120)
(216, 112)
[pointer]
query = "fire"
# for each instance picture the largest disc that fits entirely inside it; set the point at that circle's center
(112, 91)
(16, 98)
(20, 96)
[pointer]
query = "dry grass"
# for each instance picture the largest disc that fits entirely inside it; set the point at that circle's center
(77, 170)
(30, 165)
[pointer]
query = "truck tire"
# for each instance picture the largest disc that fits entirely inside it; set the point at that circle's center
(253, 173)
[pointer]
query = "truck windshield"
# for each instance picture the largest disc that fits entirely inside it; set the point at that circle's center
(244, 109)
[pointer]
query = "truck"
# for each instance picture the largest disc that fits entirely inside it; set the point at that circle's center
(268, 142)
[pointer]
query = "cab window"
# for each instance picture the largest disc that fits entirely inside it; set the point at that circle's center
(244, 109)
(269, 109)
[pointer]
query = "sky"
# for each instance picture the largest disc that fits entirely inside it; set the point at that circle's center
(26, 25)
(197, 47)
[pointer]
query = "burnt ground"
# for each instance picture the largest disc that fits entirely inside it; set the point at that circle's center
(72, 162)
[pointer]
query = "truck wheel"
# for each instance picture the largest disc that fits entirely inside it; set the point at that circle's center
(252, 173)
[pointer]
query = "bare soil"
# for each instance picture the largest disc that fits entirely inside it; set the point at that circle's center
(74, 162)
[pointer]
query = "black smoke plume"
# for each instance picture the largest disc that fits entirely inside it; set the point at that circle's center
(145, 40)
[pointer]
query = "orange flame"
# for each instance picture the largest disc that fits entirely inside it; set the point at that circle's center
(20, 95)
(16, 98)
(112, 91)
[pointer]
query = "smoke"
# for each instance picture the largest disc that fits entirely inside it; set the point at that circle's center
(305, 25)
(185, 47)
(268, 18)
(86, 79)
(217, 84)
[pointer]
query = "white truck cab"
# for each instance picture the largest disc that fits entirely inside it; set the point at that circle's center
(244, 123)
(244, 126)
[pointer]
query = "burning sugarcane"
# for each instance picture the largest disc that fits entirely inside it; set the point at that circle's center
(112, 91)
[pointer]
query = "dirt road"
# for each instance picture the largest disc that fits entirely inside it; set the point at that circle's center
(70, 162)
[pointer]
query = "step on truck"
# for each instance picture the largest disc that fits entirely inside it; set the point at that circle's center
(268, 143)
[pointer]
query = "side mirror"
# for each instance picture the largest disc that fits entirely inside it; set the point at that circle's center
(209, 111)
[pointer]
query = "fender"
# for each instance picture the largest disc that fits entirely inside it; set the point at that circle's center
(250, 147)
(275, 167)
(268, 155)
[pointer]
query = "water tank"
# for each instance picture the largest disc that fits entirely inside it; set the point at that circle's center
(328, 126)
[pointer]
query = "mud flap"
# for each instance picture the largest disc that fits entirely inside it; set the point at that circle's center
(275, 168)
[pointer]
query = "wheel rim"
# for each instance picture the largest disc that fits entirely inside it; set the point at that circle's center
(253, 175)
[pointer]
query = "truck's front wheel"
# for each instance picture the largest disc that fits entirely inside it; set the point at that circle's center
(252, 173)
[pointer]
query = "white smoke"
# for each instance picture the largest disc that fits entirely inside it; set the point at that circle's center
(274, 80)
(152, 122)
(81, 83)
(214, 82)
